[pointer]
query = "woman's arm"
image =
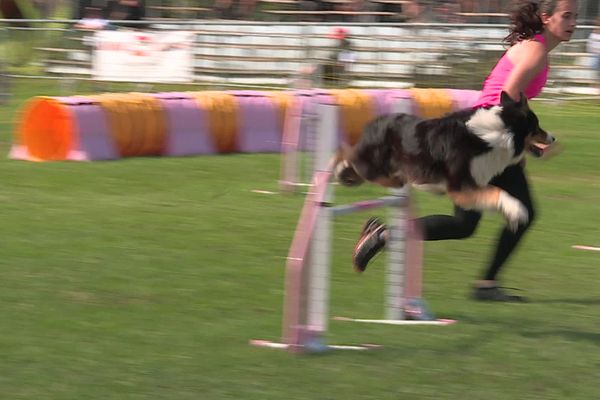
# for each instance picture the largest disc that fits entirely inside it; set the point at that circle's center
(528, 58)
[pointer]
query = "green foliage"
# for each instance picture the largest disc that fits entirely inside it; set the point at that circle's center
(145, 278)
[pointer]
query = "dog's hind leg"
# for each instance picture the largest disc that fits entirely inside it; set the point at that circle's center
(494, 199)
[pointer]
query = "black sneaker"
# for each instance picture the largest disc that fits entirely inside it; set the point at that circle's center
(371, 241)
(496, 293)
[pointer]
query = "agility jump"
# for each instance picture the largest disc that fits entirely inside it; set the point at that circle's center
(306, 304)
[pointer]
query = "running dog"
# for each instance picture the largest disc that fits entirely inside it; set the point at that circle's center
(457, 154)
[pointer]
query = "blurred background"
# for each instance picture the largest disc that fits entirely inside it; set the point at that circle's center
(282, 43)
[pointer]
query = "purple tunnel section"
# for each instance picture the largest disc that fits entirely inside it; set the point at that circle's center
(93, 140)
(260, 126)
(389, 101)
(187, 126)
(379, 101)
(464, 98)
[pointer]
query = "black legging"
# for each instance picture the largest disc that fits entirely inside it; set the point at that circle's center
(464, 222)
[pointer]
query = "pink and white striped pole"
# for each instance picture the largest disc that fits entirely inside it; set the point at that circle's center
(290, 145)
(293, 320)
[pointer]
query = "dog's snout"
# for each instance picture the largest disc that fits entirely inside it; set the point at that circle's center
(543, 137)
(548, 138)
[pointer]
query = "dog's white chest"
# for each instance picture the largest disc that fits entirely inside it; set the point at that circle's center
(488, 125)
(488, 165)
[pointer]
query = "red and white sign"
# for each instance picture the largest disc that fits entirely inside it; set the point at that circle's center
(134, 56)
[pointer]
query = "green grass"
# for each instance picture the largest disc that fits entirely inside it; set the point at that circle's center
(145, 278)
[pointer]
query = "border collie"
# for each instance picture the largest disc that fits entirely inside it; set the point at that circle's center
(457, 154)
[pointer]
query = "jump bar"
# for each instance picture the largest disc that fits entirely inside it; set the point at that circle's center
(387, 201)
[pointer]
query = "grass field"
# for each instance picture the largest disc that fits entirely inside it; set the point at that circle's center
(145, 278)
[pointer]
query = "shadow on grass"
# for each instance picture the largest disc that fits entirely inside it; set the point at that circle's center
(522, 326)
(583, 302)
(593, 337)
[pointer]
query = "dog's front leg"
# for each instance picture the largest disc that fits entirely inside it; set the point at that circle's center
(495, 199)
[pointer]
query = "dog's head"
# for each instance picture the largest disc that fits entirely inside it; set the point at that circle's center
(525, 124)
(372, 158)
(343, 170)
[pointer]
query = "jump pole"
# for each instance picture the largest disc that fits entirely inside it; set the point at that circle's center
(289, 174)
(305, 314)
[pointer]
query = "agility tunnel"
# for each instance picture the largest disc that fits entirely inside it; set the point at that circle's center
(118, 125)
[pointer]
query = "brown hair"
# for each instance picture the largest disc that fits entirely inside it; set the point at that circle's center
(526, 21)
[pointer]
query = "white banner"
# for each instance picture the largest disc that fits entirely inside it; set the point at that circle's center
(135, 56)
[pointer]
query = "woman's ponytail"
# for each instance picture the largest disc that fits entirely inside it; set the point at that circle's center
(525, 22)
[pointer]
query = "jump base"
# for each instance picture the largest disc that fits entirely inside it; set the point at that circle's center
(398, 321)
(312, 348)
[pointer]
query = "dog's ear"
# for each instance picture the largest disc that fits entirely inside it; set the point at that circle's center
(522, 100)
(505, 99)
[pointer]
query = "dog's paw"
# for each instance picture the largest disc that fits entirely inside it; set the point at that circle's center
(513, 210)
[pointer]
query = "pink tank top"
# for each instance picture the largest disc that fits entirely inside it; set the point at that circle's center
(492, 87)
